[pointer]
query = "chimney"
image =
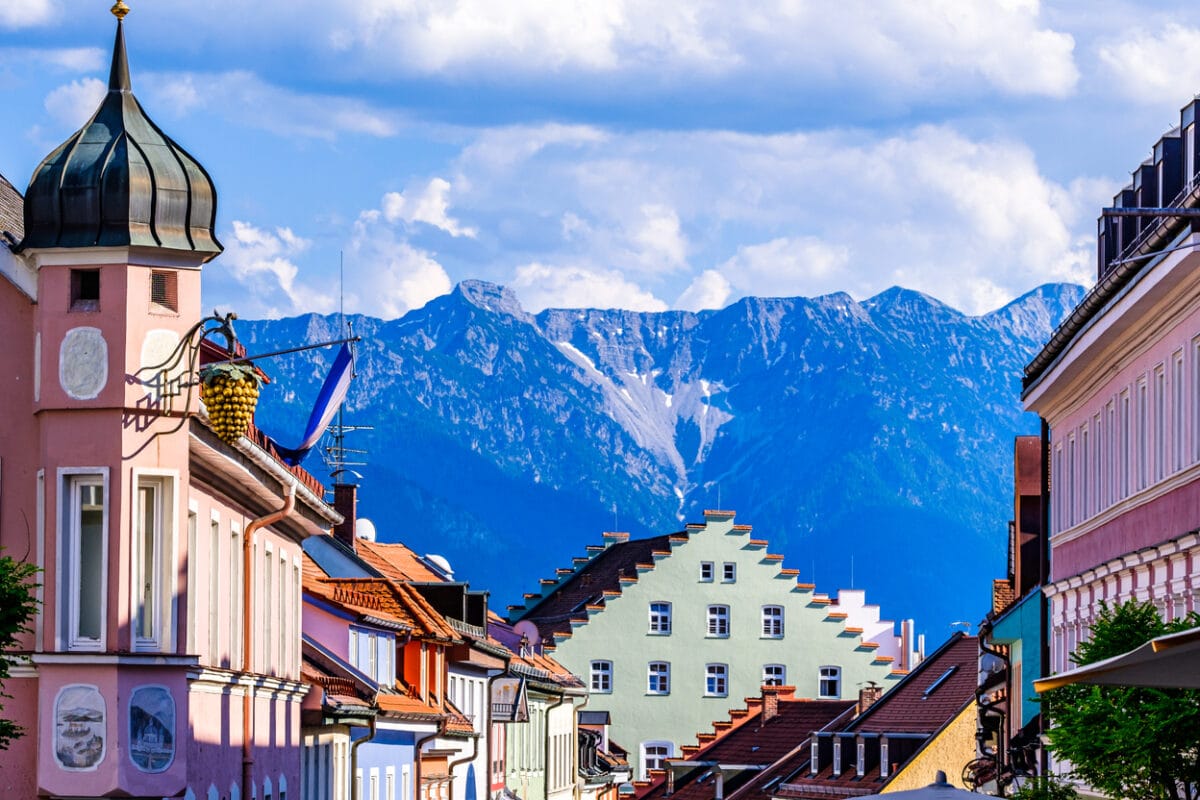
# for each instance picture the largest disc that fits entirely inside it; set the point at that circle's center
(345, 502)
(770, 700)
(868, 695)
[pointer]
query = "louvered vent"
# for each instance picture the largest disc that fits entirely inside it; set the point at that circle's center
(164, 290)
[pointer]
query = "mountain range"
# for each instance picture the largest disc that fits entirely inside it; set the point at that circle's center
(870, 442)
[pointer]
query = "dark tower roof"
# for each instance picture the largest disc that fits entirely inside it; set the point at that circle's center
(120, 181)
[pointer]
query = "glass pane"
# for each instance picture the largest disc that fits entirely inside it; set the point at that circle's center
(91, 561)
(146, 541)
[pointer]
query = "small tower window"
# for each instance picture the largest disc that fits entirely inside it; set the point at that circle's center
(164, 290)
(85, 290)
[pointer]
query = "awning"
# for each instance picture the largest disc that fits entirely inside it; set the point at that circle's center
(1168, 662)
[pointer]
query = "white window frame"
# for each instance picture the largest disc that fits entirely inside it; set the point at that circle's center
(600, 675)
(660, 759)
(707, 571)
(779, 679)
(660, 618)
(729, 572)
(658, 678)
(237, 612)
(718, 622)
(69, 478)
(214, 587)
(193, 602)
(716, 680)
(826, 674)
(165, 514)
(772, 622)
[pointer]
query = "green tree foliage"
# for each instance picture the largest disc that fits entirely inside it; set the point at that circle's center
(1125, 741)
(17, 607)
(1044, 788)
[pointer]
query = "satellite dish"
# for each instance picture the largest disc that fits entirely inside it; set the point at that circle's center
(364, 529)
(529, 631)
(440, 563)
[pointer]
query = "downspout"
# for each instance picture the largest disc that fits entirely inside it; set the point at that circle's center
(441, 728)
(373, 727)
(486, 735)
(546, 748)
(578, 792)
(289, 503)
(1043, 601)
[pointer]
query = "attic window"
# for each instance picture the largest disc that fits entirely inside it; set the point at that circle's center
(164, 291)
(934, 686)
(85, 290)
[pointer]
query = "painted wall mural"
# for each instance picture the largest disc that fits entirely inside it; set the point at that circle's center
(79, 718)
(152, 728)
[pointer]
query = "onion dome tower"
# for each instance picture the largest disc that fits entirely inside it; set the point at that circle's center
(121, 182)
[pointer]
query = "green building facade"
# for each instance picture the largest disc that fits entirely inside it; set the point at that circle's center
(672, 632)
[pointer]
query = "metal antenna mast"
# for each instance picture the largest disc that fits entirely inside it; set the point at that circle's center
(337, 457)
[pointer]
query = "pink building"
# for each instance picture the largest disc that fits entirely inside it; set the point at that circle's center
(165, 660)
(1118, 387)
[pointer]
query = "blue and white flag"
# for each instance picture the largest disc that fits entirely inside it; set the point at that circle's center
(333, 392)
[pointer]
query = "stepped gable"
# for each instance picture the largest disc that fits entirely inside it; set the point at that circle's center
(590, 582)
(923, 703)
(12, 219)
(751, 743)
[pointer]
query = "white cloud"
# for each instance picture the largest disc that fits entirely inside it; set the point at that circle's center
(244, 98)
(263, 263)
(890, 43)
(66, 59)
(27, 14)
(543, 286)
(429, 205)
(781, 214)
(73, 103)
(1159, 68)
(392, 276)
(785, 267)
(709, 290)
(659, 241)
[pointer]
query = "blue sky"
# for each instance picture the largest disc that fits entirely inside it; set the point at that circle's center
(643, 154)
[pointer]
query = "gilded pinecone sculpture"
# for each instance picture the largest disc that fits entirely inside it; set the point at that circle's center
(230, 393)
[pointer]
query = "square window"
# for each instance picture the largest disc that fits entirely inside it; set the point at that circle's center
(728, 572)
(659, 678)
(601, 677)
(706, 571)
(716, 680)
(660, 619)
(85, 290)
(718, 621)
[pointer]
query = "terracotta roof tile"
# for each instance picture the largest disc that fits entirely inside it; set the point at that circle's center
(750, 741)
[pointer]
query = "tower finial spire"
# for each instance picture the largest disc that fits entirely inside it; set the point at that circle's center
(118, 77)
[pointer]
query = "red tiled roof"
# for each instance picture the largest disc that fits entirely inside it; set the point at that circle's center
(918, 705)
(750, 741)
(397, 561)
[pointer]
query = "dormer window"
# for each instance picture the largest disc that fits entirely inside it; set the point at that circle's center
(164, 291)
(85, 290)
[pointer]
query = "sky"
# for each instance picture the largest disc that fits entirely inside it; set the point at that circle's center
(640, 154)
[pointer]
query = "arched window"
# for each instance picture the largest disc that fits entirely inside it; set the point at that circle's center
(658, 680)
(774, 675)
(716, 680)
(772, 622)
